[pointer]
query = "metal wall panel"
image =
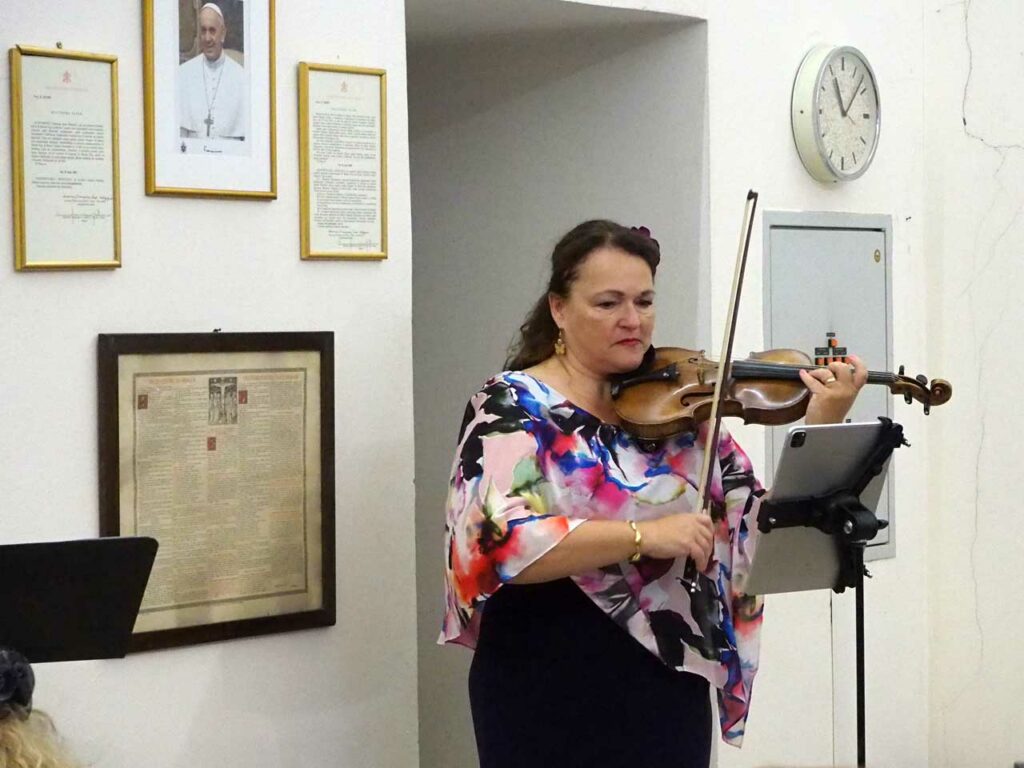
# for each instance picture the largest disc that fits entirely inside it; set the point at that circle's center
(830, 273)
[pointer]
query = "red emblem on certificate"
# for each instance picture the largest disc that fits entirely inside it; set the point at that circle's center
(211, 443)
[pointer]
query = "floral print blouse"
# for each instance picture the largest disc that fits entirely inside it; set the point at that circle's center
(531, 466)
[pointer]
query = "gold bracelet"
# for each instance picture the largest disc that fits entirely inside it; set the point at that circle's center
(637, 540)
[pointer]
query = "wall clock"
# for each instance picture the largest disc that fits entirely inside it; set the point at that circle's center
(835, 113)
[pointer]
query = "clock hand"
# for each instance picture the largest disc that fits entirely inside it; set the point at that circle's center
(853, 98)
(839, 97)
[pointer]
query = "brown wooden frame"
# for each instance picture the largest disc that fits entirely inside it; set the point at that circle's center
(110, 348)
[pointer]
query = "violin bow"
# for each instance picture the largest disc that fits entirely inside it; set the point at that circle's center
(724, 365)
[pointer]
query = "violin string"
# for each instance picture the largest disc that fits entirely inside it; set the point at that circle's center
(789, 370)
(759, 366)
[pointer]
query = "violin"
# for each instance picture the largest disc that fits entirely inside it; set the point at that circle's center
(673, 390)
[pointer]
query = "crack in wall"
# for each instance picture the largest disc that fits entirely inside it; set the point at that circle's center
(975, 272)
(977, 484)
(967, 84)
(982, 339)
(983, 335)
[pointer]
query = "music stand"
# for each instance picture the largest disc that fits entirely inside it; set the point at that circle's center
(841, 515)
(73, 600)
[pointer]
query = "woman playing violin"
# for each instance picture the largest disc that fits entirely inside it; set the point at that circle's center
(566, 538)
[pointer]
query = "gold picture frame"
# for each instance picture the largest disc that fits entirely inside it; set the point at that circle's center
(181, 161)
(65, 173)
(343, 189)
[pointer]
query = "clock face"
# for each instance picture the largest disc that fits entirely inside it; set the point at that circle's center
(846, 114)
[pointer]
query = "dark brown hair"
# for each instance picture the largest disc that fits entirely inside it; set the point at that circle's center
(536, 339)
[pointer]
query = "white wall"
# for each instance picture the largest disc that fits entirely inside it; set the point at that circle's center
(345, 695)
(514, 141)
(754, 50)
(974, 239)
(943, 627)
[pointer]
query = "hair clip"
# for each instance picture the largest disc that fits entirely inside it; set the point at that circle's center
(16, 681)
(646, 233)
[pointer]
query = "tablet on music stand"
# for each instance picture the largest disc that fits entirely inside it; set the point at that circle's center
(815, 461)
(73, 600)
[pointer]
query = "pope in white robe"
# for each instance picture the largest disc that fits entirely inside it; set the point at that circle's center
(213, 89)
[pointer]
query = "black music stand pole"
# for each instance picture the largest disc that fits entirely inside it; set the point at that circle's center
(859, 587)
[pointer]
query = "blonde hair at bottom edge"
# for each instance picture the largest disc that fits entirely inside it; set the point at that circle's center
(29, 740)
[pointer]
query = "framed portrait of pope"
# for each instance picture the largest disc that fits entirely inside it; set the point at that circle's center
(209, 98)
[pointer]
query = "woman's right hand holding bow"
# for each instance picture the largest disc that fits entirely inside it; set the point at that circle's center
(686, 534)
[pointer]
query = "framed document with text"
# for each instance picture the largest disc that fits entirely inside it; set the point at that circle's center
(64, 160)
(210, 111)
(343, 198)
(221, 447)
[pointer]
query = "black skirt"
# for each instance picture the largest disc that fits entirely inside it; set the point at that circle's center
(555, 683)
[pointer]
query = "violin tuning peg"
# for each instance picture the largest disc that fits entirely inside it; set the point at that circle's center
(927, 409)
(922, 379)
(908, 398)
(900, 371)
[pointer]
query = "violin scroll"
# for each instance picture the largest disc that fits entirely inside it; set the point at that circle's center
(936, 392)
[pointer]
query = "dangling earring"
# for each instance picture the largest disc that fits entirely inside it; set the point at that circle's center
(560, 343)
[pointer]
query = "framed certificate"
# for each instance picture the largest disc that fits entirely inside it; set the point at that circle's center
(210, 111)
(221, 447)
(65, 160)
(343, 200)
